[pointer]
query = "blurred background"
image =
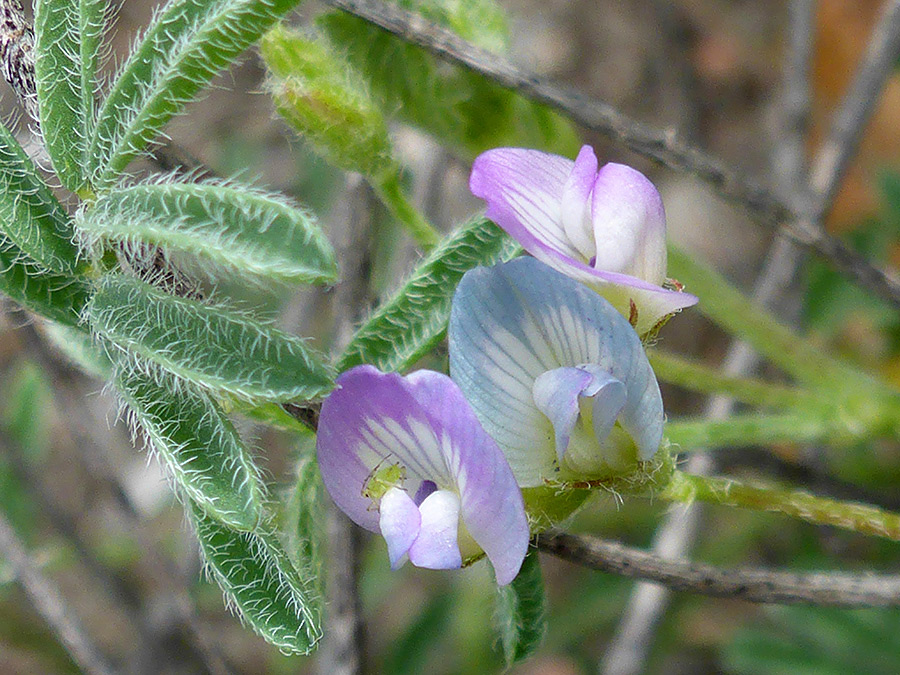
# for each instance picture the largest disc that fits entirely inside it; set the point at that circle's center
(98, 515)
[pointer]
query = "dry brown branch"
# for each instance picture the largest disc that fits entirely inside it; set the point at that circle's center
(825, 589)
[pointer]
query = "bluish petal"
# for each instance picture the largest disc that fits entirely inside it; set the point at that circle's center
(399, 523)
(435, 547)
(629, 224)
(556, 393)
(371, 425)
(523, 190)
(575, 209)
(556, 322)
(607, 398)
(491, 503)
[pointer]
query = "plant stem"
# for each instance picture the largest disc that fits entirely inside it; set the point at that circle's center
(852, 516)
(392, 195)
(754, 429)
(700, 378)
(735, 313)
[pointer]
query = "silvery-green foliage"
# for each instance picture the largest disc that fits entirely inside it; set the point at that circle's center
(521, 613)
(406, 327)
(261, 584)
(214, 347)
(188, 42)
(79, 347)
(304, 526)
(251, 233)
(30, 216)
(68, 35)
(59, 297)
(196, 441)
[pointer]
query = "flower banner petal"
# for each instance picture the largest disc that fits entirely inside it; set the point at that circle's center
(491, 503)
(522, 189)
(511, 323)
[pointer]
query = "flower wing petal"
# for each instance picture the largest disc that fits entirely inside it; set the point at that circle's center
(399, 522)
(629, 224)
(524, 190)
(556, 394)
(436, 546)
(575, 207)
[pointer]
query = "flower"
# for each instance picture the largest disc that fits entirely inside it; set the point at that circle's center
(605, 228)
(406, 457)
(556, 375)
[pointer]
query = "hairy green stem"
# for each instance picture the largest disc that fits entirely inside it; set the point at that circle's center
(795, 503)
(700, 378)
(735, 313)
(755, 429)
(392, 195)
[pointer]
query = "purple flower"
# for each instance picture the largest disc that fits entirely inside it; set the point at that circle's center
(605, 228)
(406, 457)
(557, 376)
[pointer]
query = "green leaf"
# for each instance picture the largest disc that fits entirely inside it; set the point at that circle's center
(305, 527)
(522, 612)
(66, 53)
(197, 442)
(251, 233)
(59, 297)
(414, 320)
(260, 582)
(455, 105)
(188, 42)
(213, 346)
(76, 343)
(30, 216)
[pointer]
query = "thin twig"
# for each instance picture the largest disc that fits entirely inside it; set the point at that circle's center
(826, 589)
(49, 603)
(342, 650)
(660, 145)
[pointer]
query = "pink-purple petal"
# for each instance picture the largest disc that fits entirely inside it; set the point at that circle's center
(399, 522)
(575, 204)
(370, 423)
(629, 224)
(491, 504)
(523, 190)
(436, 546)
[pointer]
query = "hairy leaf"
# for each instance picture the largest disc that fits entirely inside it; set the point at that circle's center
(260, 582)
(457, 106)
(188, 42)
(59, 297)
(76, 343)
(66, 53)
(197, 442)
(414, 320)
(521, 611)
(212, 346)
(305, 527)
(249, 232)
(30, 216)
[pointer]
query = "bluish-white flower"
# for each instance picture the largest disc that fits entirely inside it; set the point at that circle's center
(406, 457)
(557, 376)
(605, 228)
